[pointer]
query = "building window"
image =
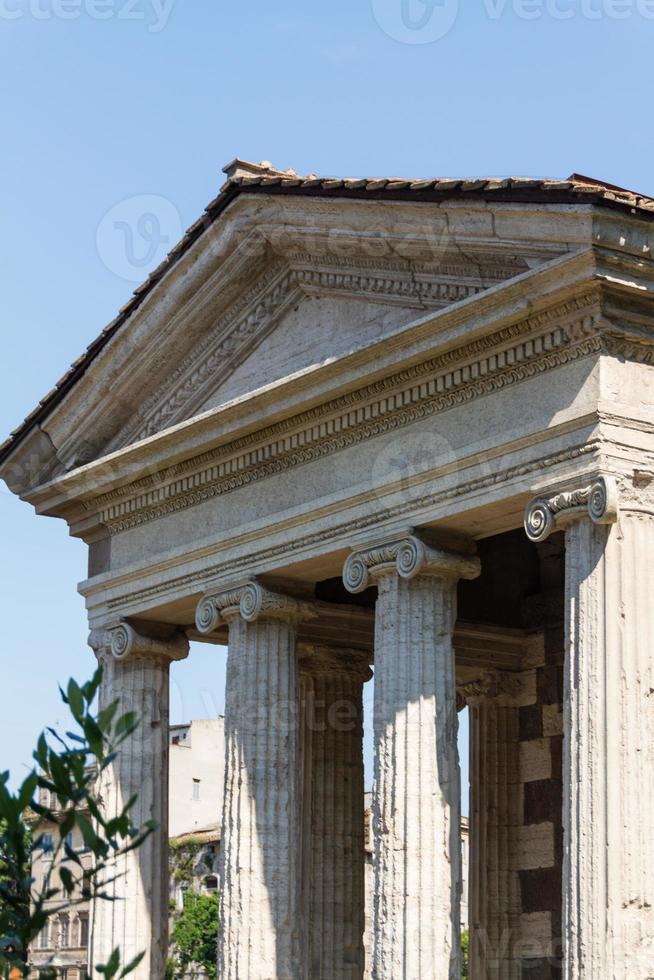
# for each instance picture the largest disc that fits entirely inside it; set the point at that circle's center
(196, 789)
(211, 884)
(44, 936)
(83, 931)
(47, 844)
(64, 932)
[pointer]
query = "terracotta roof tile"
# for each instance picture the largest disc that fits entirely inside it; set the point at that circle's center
(244, 176)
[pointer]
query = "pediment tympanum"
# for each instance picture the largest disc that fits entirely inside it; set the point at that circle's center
(300, 313)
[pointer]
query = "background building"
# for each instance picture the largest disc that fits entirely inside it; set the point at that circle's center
(196, 765)
(63, 941)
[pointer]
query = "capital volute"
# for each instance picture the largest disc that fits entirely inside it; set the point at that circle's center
(597, 501)
(123, 642)
(407, 557)
(250, 602)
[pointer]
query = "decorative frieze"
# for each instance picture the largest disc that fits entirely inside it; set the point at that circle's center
(599, 501)
(509, 356)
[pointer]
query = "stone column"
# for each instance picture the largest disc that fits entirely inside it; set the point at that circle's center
(335, 907)
(260, 929)
(135, 673)
(608, 873)
(416, 797)
(495, 823)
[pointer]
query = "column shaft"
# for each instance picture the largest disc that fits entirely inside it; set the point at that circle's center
(137, 919)
(416, 800)
(259, 936)
(336, 861)
(609, 749)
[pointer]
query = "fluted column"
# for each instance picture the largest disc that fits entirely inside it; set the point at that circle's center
(136, 672)
(608, 891)
(335, 909)
(416, 796)
(495, 819)
(260, 928)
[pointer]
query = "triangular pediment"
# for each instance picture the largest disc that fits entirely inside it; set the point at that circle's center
(299, 313)
(270, 291)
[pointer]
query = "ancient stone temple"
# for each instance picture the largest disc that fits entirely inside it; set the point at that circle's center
(393, 426)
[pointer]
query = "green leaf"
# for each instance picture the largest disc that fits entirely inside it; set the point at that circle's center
(67, 879)
(110, 968)
(132, 964)
(90, 837)
(126, 724)
(27, 790)
(75, 699)
(91, 687)
(106, 716)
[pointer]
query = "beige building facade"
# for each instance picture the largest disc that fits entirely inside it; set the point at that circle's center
(64, 940)
(393, 425)
(196, 775)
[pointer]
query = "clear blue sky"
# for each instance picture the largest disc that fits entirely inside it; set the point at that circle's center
(104, 102)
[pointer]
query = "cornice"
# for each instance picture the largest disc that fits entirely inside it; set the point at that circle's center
(507, 357)
(197, 460)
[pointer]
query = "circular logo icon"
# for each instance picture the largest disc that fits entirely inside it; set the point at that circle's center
(136, 235)
(416, 21)
(406, 463)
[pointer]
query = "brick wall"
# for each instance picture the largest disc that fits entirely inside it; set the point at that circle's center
(540, 845)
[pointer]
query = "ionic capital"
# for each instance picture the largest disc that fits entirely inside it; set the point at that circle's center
(406, 557)
(598, 501)
(493, 685)
(123, 642)
(320, 660)
(251, 601)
